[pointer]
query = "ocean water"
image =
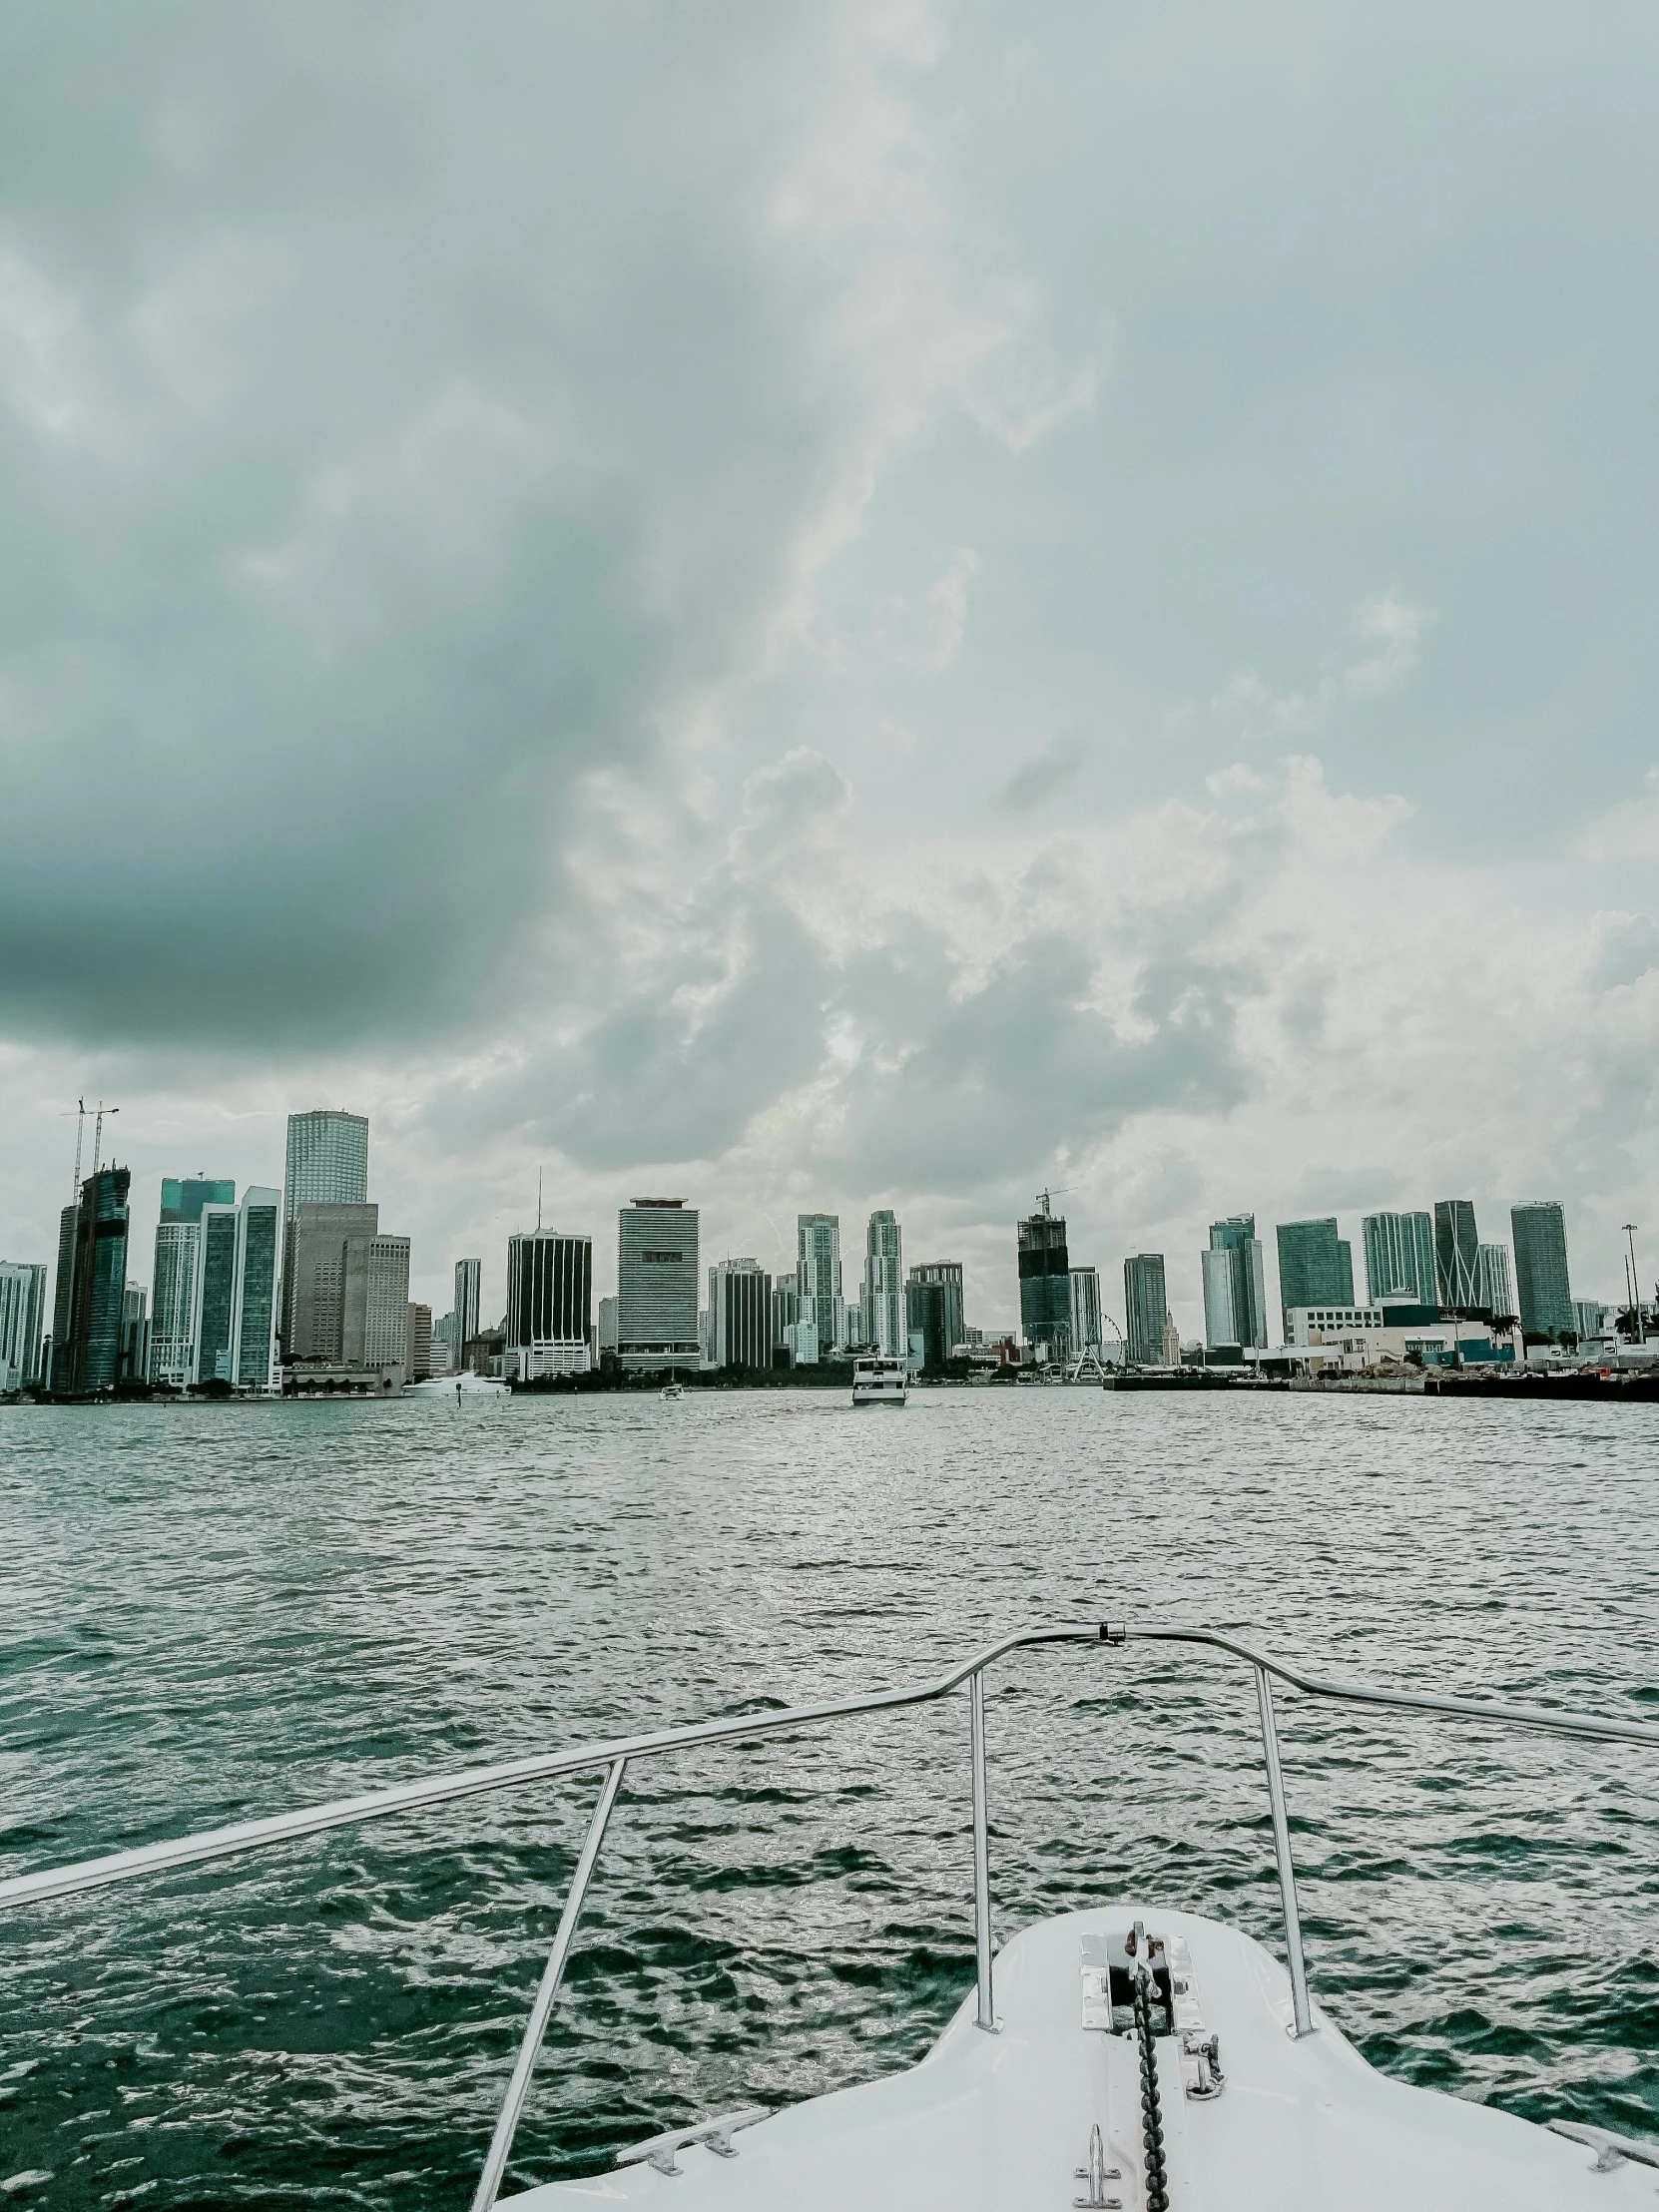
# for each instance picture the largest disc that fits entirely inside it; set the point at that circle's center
(219, 1611)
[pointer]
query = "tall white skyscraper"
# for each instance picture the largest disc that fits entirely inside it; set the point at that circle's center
(327, 1161)
(818, 1278)
(1399, 1255)
(22, 1319)
(469, 1275)
(173, 1321)
(1493, 1284)
(1085, 1309)
(881, 1305)
(657, 1285)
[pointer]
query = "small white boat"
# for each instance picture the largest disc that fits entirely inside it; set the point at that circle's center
(878, 1381)
(672, 1390)
(457, 1386)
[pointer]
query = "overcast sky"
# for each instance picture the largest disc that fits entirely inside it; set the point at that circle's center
(834, 606)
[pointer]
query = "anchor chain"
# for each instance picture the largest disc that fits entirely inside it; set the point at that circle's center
(1152, 2113)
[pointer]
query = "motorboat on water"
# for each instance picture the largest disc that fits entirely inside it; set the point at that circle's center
(878, 1381)
(458, 1385)
(672, 1390)
(1130, 2057)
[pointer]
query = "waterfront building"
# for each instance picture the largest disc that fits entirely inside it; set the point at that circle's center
(928, 1344)
(216, 1293)
(1234, 1284)
(327, 1161)
(173, 1283)
(1315, 1266)
(739, 1315)
(608, 1323)
(1539, 1229)
(418, 1360)
(882, 1321)
(657, 1284)
(469, 1276)
(22, 1320)
(946, 1274)
(1457, 1254)
(1146, 1311)
(1083, 1317)
(348, 1290)
(444, 1360)
(1590, 1318)
(549, 1303)
(1044, 1280)
(1399, 1255)
(800, 1341)
(818, 1278)
(90, 1294)
(1494, 1292)
(133, 1361)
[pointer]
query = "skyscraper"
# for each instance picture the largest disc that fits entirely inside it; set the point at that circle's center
(1457, 1254)
(819, 1277)
(133, 1360)
(418, 1366)
(254, 1297)
(1146, 1308)
(739, 1315)
(92, 1286)
(1235, 1286)
(327, 1161)
(184, 1196)
(1083, 1322)
(1044, 1280)
(1315, 1266)
(470, 1276)
(216, 1295)
(549, 1303)
(657, 1284)
(946, 1277)
(882, 1307)
(172, 1318)
(1494, 1288)
(1540, 1228)
(22, 1322)
(1399, 1255)
(346, 1286)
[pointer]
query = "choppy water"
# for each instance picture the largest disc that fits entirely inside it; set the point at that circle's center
(220, 1611)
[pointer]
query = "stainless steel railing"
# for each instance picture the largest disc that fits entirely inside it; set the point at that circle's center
(616, 1754)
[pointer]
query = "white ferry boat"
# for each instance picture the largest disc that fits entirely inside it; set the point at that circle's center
(1131, 2058)
(457, 1386)
(877, 1381)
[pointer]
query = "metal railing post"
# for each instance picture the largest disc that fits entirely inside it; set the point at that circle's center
(981, 1855)
(1282, 1850)
(501, 2143)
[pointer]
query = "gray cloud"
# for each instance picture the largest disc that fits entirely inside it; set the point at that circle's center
(1046, 773)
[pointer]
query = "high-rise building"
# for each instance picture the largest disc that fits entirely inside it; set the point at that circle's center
(92, 1286)
(469, 1276)
(1539, 1229)
(1146, 1310)
(253, 1361)
(1399, 1255)
(1457, 1254)
(133, 1362)
(1044, 1281)
(327, 1161)
(549, 1303)
(819, 1277)
(946, 1274)
(739, 1315)
(657, 1284)
(882, 1307)
(1315, 1266)
(22, 1320)
(1083, 1323)
(417, 1365)
(1590, 1318)
(347, 1288)
(444, 1360)
(608, 1323)
(216, 1295)
(1494, 1292)
(173, 1319)
(785, 1310)
(926, 1305)
(1235, 1286)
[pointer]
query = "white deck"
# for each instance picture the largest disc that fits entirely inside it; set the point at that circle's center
(999, 2123)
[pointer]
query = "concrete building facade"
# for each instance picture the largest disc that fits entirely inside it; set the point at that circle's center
(881, 1305)
(1539, 1229)
(657, 1284)
(22, 1322)
(818, 1279)
(1146, 1310)
(1399, 1255)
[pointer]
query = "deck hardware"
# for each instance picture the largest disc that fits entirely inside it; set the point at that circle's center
(1205, 2079)
(1097, 2173)
(1611, 2151)
(714, 2135)
(981, 1855)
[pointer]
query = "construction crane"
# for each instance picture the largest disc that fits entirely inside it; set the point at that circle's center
(1043, 1198)
(98, 1112)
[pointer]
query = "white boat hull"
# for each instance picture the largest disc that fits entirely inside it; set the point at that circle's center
(1001, 2122)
